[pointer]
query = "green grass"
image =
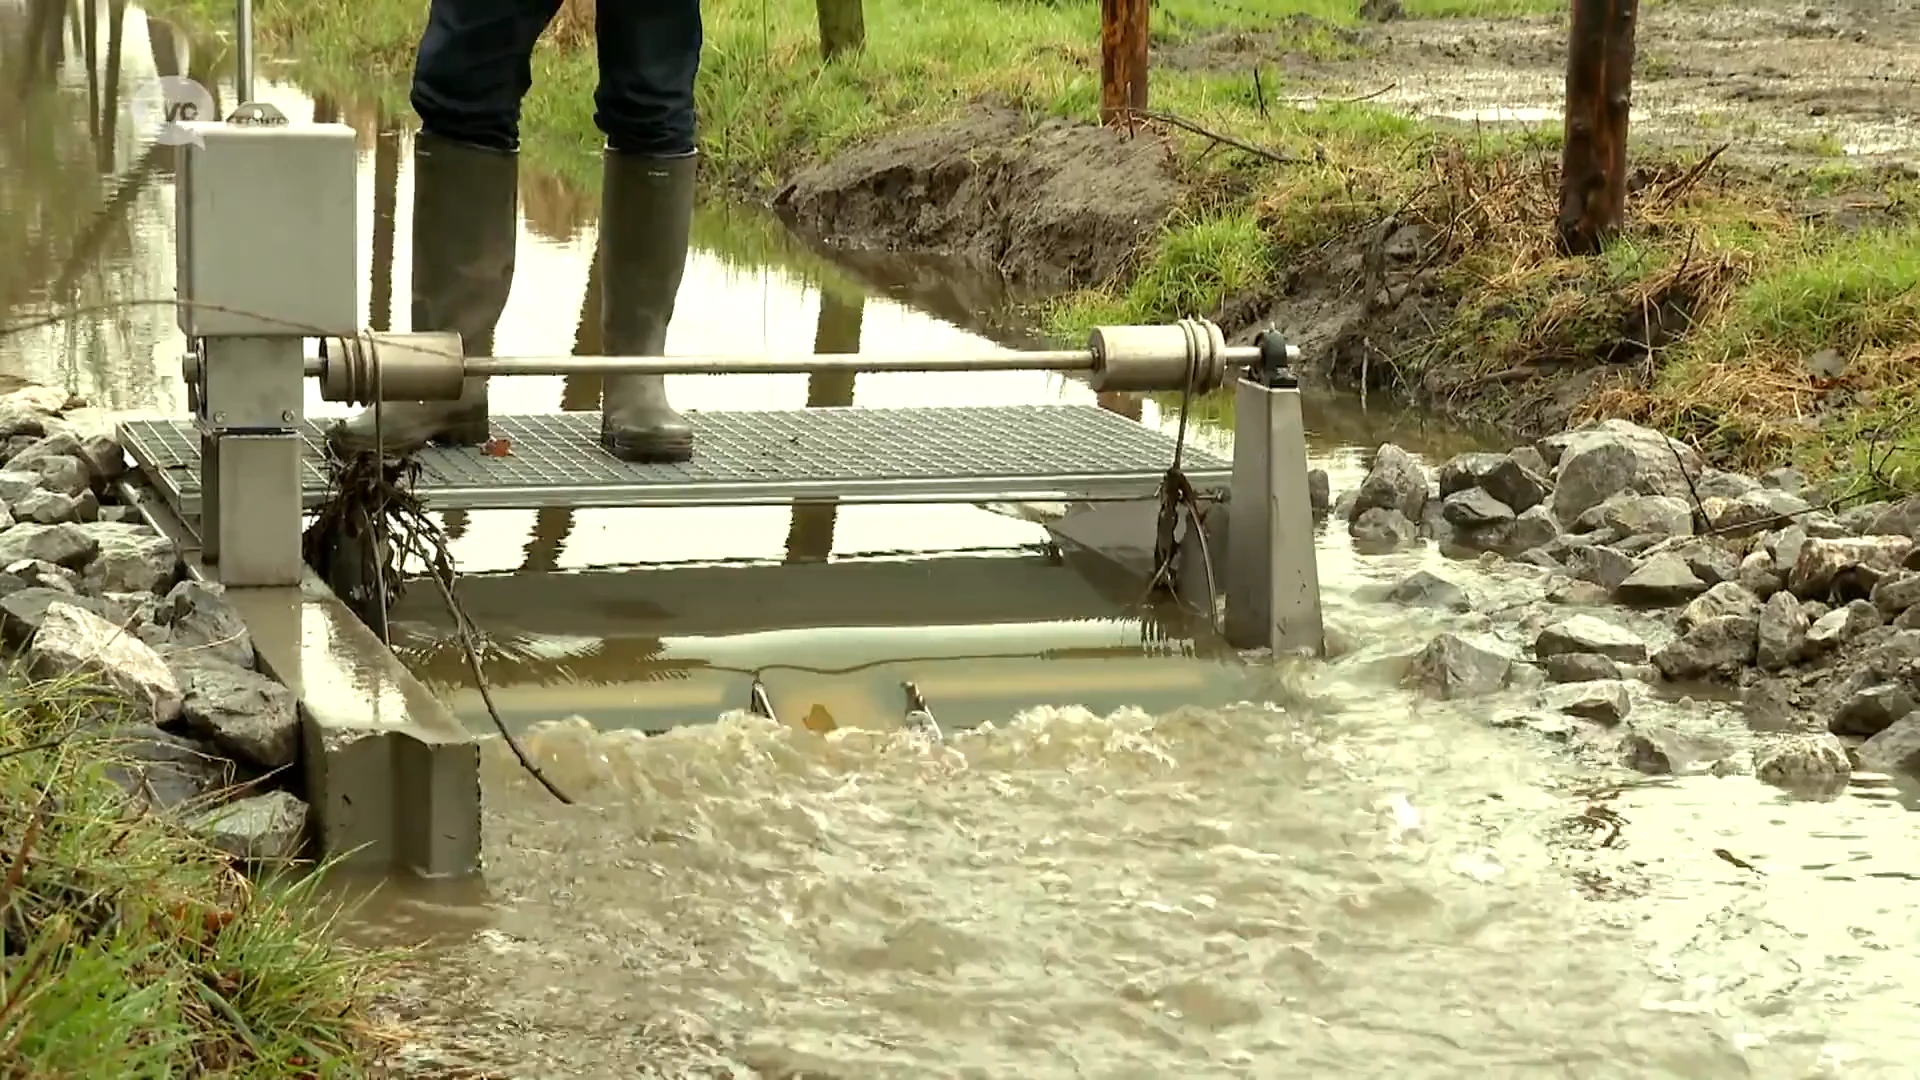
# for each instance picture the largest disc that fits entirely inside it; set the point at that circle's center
(130, 949)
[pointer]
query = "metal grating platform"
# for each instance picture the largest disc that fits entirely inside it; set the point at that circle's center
(974, 454)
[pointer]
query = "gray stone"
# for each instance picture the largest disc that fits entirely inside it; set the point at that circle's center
(16, 485)
(1719, 484)
(1588, 634)
(1474, 508)
(197, 618)
(1596, 462)
(1515, 485)
(1823, 564)
(1895, 750)
(56, 508)
(132, 558)
(1759, 575)
(1726, 598)
(1603, 702)
(62, 545)
(1754, 512)
(1782, 637)
(1831, 630)
(163, 770)
(1319, 490)
(1896, 592)
(1716, 647)
(1453, 667)
(1576, 593)
(1803, 761)
(1709, 561)
(1872, 710)
(1375, 531)
(57, 462)
(242, 712)
(1396, 482)
(24, 610)
(1601, 565)
(73, 642)
(1860, 520)
(35, 573)
(1900, 519)
(1463, 471)
(1579, 667)
(259, 829)
(1640, 515)
(1784, 546)
(1533, 528)
(1422, 589)
(1659, 749)
(1662, 580)
(104, 457)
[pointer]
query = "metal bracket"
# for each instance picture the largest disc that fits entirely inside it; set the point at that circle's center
(257, 114)
(1273, 576)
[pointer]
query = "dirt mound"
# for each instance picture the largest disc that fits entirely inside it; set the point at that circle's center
(1052, 207)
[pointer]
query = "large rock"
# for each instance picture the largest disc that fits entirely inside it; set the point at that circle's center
(1840, 569)
(1591, 635)
(1799, 762)
(1717, 647)
(1474, 508)
(1377, 530)
(1872, 710)
(73, 642)
(1453, 667)
(1594, 463)
(165, 771)
(1782, 635)
(1829, 632)
(1726, 598)
(24, 610)
(242, 712)
(1640, 515)
(71, 546)
(1660, 749)
(1758, 573)
(1753, 512)
(1602, 565)
(197, 617)
(132, 558)
(1396, 482)
(1603, 702)
(1662, 580)
(1579, 667)
(1896, 592)
(258, 829)
(1463, 471)
(1426, 590)
(1895, 751)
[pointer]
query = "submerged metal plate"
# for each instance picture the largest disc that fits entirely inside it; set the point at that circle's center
(974, 454)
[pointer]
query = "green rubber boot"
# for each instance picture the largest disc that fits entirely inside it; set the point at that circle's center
(646, 212)
(466, 222)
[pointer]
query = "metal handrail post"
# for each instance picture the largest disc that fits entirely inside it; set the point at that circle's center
(243, 51)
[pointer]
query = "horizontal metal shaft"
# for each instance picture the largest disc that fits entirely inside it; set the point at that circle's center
(1064, 360)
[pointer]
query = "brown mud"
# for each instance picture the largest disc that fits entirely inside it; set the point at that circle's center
(1781, 88)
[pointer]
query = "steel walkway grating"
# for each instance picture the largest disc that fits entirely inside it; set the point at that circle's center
(973, 454)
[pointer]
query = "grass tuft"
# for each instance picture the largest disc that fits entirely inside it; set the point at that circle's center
(128, 948)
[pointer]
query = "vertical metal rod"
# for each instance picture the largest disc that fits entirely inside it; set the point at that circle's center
(243, 51)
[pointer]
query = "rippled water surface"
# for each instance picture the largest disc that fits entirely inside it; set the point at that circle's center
(1115, 865)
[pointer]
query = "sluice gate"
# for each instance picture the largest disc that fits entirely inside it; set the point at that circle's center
(266, 230)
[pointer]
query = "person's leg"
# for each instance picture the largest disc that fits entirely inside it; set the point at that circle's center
(466, 221)
(472, 70)
(473, 67)
(649, 55)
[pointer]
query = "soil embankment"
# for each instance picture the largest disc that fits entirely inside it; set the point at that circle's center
(1411, 256)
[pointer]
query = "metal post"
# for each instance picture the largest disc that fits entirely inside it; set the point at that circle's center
(243, 52)
(1273, 578)
(249, 409)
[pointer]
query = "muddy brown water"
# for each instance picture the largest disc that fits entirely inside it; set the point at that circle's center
(1126, 860)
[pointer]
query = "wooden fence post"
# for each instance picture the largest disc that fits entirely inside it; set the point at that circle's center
(1593, 169)
(1123, 59)
(843, 26)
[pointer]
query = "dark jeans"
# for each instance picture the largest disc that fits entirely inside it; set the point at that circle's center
(474, 66)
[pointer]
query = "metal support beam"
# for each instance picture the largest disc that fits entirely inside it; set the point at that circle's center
(243, 52)
(1273, 578)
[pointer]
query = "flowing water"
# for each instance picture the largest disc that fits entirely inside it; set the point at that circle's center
(1118, 868)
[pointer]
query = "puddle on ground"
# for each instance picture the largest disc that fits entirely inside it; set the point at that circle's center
(1121, 872)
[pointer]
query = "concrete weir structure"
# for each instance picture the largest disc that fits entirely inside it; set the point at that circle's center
(392, 777)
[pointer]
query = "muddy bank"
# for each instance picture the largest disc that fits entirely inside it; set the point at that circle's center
(1050, 206)
(1659, 575)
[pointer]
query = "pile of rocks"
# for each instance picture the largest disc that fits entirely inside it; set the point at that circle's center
(89, 592)
(1749, 582)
